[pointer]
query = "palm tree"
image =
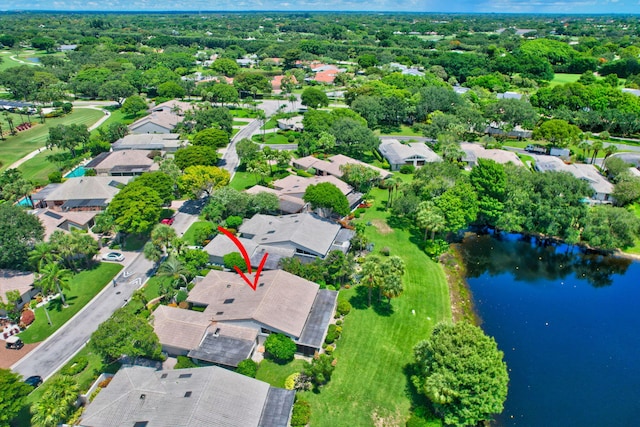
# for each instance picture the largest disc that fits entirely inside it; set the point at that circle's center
(162, 236)
(390, 183)
(43, 254)
(431, 218)
(596, 146)
(56, 402)
(392, 286)
(393, 269)
(609, 150)
(52, 276)
(292, 100)
(371, 274)
(175, 269)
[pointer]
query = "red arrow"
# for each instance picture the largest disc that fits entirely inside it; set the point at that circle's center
(253, 285)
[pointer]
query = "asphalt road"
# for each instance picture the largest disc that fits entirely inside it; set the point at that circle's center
(53, 353)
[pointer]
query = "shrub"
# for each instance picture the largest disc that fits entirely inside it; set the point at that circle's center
(27, 317)
(301, 413)
(290, 382)
(154, 153)
(280, 347)
(184, 363)
(332, 334)
(329, 349)
(90, 172)
(248, 368)
(183, 305)
(303, 173)
(385, 251)
(234, 259)
(233, 221)
(344, 307)
(181, 296)
(291, 138)
(339, 322)
(55, 177)
(104, 383)
(79, 365)
(407, 169)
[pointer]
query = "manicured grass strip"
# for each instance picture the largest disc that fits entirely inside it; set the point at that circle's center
(37, 169)
(243, 180)
(271, 138)
(190, 234)
(404, 131)
(84, 286)
(275, 374)
(369, 383)
(16, 147)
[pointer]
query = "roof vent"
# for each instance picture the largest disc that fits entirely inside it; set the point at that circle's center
(219, 313)
(184, 376)
(142, 396)
(187, 394)
(229, 301)
(163, 376)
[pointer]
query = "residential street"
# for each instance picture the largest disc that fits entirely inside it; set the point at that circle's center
(53, 353)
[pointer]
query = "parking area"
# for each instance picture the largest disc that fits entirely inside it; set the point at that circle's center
(9, 357)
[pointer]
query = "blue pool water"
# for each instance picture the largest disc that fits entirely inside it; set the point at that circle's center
(25, 202)
(79, 171)
(569, 326)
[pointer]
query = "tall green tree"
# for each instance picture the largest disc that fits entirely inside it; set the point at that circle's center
(68, 137)
(314, 98)
(124, 333)
(371, 274)
(489, 180)
(327, 196)
(19, 234)
(14, 394)
(431, 218)
(134, 105)
(57, 402)
(135, 209)
(462, 372)
(53, 277)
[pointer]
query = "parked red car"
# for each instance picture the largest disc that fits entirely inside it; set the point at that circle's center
(167, 221)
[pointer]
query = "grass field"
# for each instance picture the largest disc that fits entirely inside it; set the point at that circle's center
(16, 147)
(190, 235)
(84, 286)
(562, 78)
(369, 386)
(21, 55)
(275, 374)
(37, 169)
(243, 180)
(271, 138)
(404, 131)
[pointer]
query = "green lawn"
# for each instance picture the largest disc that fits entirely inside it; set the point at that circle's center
(369, 382)
(404, 131)
(562, 78)
(243, 180)
(37, 169)
(16, 147)
(21, 55)
(271, 138)
(84, 286)
(189, 235)
(275, 374)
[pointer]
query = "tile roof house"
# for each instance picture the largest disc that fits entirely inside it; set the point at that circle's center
(602, 188)
(416, 153)
(122, 163)
(168, 142)
(139, 396)
(236, 319)
(65, 221)
(86, 193)
(331, 166)
(473, 152)
(12, 280)
(306, 236)
(276, 81)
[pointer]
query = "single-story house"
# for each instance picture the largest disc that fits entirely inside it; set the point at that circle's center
(276, 82)
(293, 123)
(156, 122)
(509, 95)
(517, 132)
(331, 166)
(294, 186)
(65, 221)
(287, 204)
(635, 92)
(85, 193)
(139, 396)
(173, 106)
(306, 236)
(168, 142)
(12, 280)
(473, 152)
(415, 153)
(122, 163)
(602, 188)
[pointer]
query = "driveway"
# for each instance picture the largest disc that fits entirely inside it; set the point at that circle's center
(52, 354)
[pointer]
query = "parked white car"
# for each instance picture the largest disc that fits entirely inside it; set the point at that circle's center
(113, 256)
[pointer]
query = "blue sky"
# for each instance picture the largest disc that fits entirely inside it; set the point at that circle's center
(498, 6)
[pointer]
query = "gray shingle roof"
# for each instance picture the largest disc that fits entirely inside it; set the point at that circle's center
(88, 188)
(397, 153)
(198, 397)
(224, 350)
(318, 321)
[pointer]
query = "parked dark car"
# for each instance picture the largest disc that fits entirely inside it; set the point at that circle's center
(34, 381)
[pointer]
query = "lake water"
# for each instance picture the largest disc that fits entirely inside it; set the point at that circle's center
(569, 326)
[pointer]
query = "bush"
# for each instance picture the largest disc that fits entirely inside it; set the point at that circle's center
(183, 305)
(27, 317)
(332, 334)
(79, 365)
(329, 350)
(303, 173)
(280, 347)
(184, 363)
(181, 296)
(407, 169)
(90, 172)
(385, 251)
(291, 138)
(290, 382)
(234, 259)
(377, 155)
(339, 322)
(344, 307)
(301, 413)
(233, 221)
(248, 368)
(55, 177)
(104, 383)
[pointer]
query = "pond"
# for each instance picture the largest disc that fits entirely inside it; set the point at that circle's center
(569, 326)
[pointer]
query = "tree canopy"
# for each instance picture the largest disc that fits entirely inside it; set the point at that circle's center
(462, 372)
(327, 196)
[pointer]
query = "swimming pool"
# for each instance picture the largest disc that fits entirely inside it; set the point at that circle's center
(79, 171)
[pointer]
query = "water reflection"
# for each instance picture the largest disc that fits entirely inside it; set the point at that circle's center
(529, 260)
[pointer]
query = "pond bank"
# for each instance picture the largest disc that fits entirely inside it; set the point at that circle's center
(462, 307)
